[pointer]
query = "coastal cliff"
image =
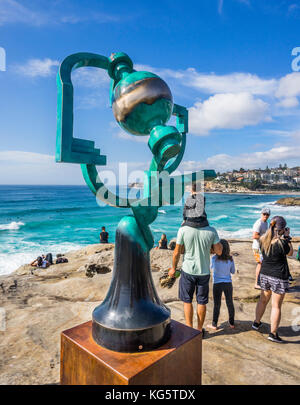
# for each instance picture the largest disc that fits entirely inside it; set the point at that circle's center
(41, 305)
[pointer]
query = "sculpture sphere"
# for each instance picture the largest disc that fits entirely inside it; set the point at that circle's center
(140, 101)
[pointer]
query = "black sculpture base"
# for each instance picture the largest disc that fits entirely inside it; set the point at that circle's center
(132, 340)
(131, 318)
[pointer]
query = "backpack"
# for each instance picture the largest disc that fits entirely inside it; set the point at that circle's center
(62, 260)
(298, 254)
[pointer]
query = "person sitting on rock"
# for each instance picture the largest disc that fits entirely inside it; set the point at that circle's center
(275, 245)
(40, 261)
(163, 242)
(103, 235)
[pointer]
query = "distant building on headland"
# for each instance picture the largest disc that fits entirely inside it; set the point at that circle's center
(268, 179)
(280, 178)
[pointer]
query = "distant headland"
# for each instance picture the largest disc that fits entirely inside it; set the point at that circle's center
(289, 201)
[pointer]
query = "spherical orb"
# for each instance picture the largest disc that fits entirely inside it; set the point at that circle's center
(141, 101)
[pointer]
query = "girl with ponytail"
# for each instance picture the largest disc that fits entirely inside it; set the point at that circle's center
(275, 245)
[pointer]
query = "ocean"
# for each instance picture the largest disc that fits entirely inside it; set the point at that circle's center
(36, 220)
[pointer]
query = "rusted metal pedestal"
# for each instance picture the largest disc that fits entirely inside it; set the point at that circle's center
(177, 362)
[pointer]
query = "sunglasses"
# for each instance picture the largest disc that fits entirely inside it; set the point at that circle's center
(267, 215)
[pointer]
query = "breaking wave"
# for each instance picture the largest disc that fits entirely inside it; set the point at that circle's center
(13, 226)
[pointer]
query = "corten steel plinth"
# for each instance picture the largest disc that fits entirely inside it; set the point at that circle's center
(132, 317)
(177, 362)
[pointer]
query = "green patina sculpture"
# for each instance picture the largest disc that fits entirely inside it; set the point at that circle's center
(142, 104)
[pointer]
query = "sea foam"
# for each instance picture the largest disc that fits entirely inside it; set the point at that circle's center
(11, 261)
(11, 227)
(219, 217)
(240, 234)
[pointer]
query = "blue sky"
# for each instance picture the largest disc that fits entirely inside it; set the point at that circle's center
(228, 61)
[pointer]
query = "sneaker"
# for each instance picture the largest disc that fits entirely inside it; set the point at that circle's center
(275, 338)
(256, 325)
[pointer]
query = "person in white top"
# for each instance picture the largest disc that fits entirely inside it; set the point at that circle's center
(259, 228)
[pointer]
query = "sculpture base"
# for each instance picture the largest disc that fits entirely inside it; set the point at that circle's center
(177, 362)
(131, 341)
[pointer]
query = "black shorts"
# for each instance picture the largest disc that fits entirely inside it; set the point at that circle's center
(188, 283)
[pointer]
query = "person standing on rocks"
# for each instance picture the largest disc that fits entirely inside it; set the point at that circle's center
(259, 228)
(103, 235)
(195, 239)
(222, 267)
(275, 246)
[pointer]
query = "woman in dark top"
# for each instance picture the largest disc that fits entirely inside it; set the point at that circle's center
(163, 242)
(275, 245)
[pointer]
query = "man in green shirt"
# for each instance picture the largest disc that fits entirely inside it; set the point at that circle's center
(195, 241)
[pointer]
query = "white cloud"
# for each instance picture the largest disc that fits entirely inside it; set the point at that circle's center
(134, 138)
(12, 12)
(210, 83)
(278, 97)
(231, 83)
(283, 91)
(91, 88)
(19, 167)
(20, 157)
(230, 111)
(90, 16)
(288, 102)
(223, 162)
(295, 135)
(38, 67)
(276, 132)
(288, 90)
(289, 85)
(120, 133)
(90, 77)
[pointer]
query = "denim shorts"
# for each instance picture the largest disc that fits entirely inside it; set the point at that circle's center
(188, 284)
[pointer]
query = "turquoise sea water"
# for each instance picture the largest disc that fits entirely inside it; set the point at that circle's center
(56, 219)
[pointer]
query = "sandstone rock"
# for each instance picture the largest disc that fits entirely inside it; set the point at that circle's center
(172, 244)
(93, 268)
(98, 263)
(289, 201)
